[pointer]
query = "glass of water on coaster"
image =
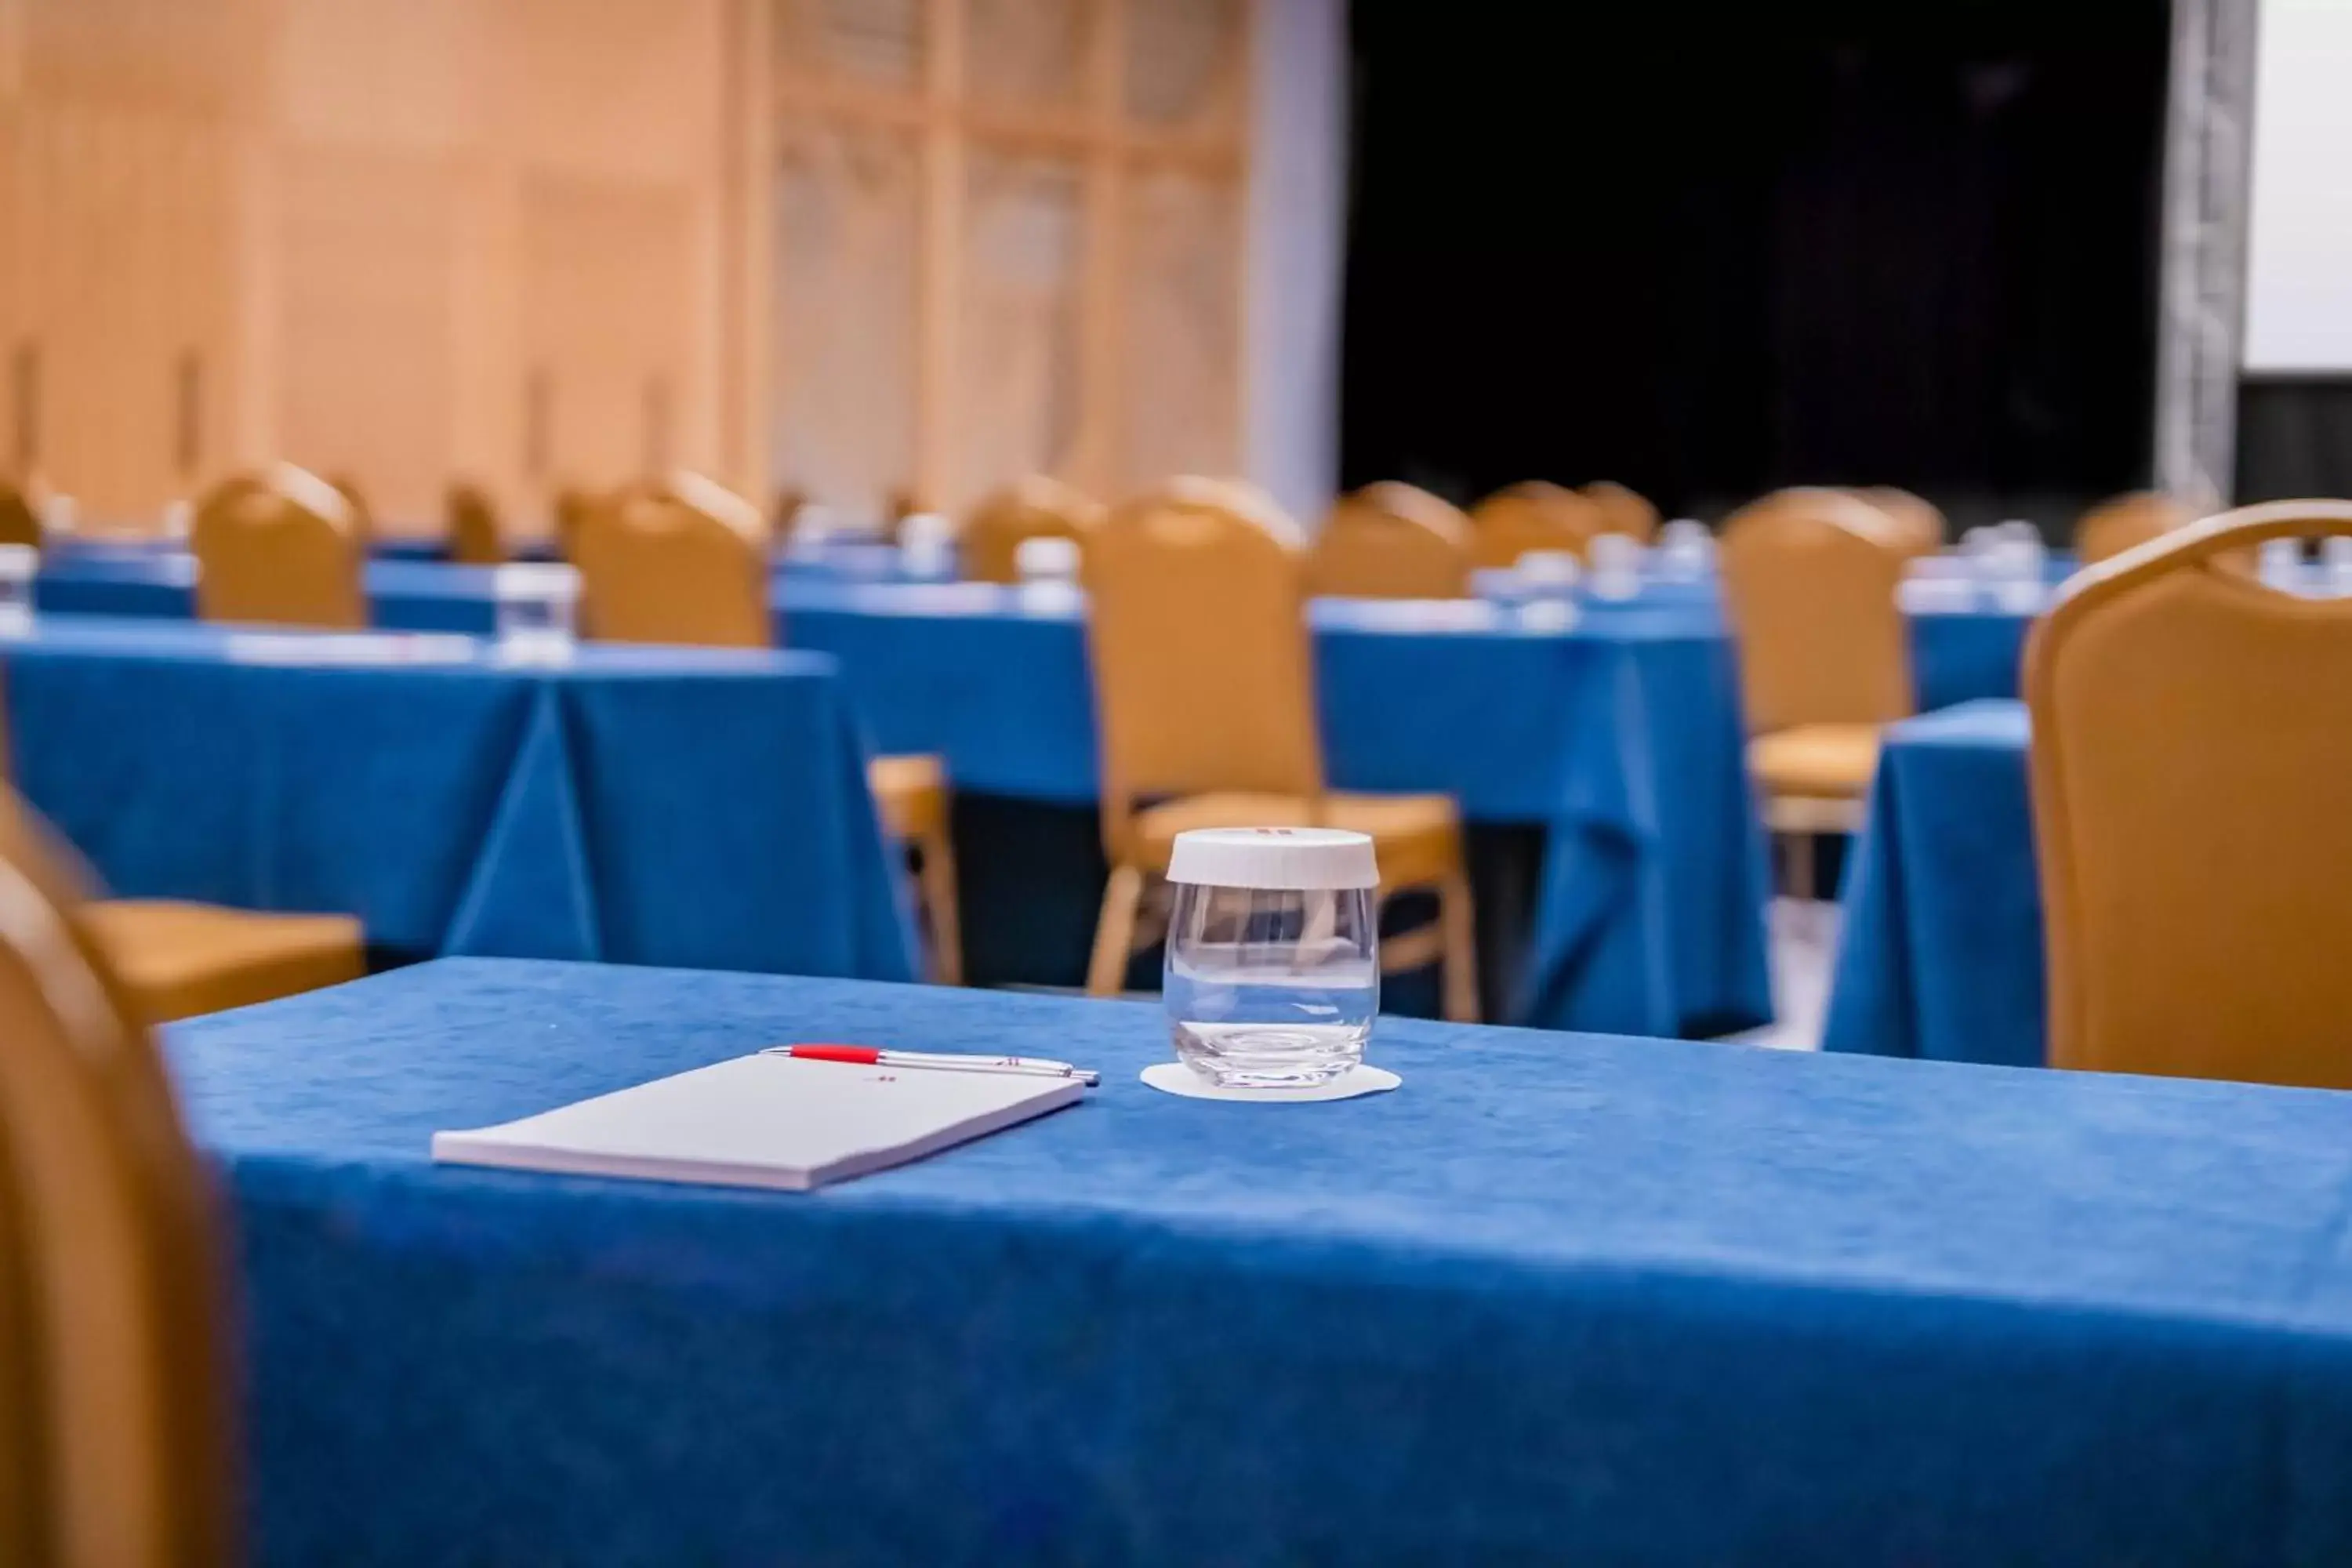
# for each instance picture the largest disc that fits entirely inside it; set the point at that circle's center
(1272, 969)
(538, 608)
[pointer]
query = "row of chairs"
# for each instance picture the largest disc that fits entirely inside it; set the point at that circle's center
(1205, 720)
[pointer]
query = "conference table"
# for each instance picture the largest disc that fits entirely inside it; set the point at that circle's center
(1622, 886)
(458, 802)
(1556, 1298)
(1940, 950)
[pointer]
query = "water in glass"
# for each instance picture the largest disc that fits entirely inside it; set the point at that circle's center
(1271, 987)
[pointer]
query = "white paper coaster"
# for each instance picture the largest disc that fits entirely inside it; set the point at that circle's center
(1175, 1077)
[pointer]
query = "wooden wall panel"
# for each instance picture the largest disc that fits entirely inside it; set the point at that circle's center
(376, 236)
(607, 326)
(1182, 323)
(848, 225)
(128, 291)
(1027, 53)
(1018, 393)
(123, 152)
(1052, 191)
(366, 323)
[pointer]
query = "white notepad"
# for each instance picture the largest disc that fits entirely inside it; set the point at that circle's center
(763, 1122)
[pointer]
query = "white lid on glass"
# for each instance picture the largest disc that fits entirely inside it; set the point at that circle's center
(535, 580)
(1049, 556)
(1274, 858)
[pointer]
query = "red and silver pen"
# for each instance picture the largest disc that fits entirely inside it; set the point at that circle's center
(871, 1056)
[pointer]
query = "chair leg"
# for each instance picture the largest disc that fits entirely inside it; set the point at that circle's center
(1114, 932)
(1797, 853)
(936, 875)
(1458, 924)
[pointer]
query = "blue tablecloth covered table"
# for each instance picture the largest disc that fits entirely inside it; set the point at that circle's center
(459, 805)
(1621, 738)
(1557, 1299)
(1940, 955)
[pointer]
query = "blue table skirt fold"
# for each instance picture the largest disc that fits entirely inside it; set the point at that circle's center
(1941, 954)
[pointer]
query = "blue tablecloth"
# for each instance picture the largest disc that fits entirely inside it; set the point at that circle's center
(1621, 738)
(1558, 1300)
(458, 806)
(1941, 950)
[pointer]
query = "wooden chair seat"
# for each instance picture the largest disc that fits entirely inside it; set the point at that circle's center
(1417, 838)
(1829, 761)
(911, 793)
(177, 960)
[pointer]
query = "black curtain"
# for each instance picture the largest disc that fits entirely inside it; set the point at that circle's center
(1707, 251)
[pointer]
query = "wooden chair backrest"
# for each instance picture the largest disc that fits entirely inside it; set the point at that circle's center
(2188, 760)
(20, 522)
(1622, 511)
(1391, 540)
(1034, 507)
(282, 553)
(120, 1426)
(1920, 525)
(1810, 580)
(475, 538)
(1203, 661)
(1533, 515)
(2126, 522)
(657, 568)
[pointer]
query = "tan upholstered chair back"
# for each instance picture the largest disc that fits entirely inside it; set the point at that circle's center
(1622, 511)
(19, 523)
(1809, 581)
(569, 511)
(2191, 753)
(655, 568)
(1032, 508)
(1919, 526)
(282, 552)
(120, 1447)
(474, 538)
(2126, 522)
(362, 515)
(1391, 540)
(1535, 515)
(1202, 668)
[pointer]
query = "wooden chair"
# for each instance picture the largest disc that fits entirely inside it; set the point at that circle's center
(570, 510)
(175, 960)
(785, 514)
(362, 514)
(20, 522)
(283, 551)
(655, 567)
(1535, 515)
(1034, 507)
(2126, 522)
(1391, 540)
(1205, 688)
(117, 1434)
(475, 538)
(2188, 760)
(1810, 580)
(1622, 511)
